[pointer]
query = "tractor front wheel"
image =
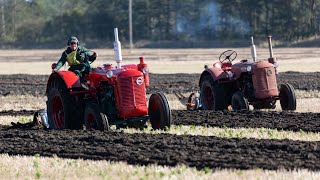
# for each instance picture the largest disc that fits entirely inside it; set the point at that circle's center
(239, 102)
(287, 95)
(94, 118)
(159, 111)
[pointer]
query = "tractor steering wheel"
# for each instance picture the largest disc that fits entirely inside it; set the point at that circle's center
(229, 55)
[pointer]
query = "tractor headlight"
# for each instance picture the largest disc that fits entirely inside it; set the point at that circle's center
(145, 70)
(109, 74)
(217, 65)
(248, 68)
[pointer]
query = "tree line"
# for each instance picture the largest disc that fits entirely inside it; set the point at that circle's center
(32, 22)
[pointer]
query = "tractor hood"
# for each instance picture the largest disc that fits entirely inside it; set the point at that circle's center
(241, 67)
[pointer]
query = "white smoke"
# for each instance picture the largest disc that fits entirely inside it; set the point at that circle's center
(212, 18)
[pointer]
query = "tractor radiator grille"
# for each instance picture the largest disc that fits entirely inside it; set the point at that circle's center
(265, 83)
(132, 94)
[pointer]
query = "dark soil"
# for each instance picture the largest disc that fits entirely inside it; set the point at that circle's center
(17, 113)
(163, 149)
(167, 83)
(288, 121)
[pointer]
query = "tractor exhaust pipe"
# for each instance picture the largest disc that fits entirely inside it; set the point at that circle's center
(271, 59)
(117, 48)
(253, 50)
(270, 47)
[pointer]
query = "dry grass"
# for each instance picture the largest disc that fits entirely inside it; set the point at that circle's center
(20, 102)
(159, 60)
(6, 120)
(22, 167)
(257, 133)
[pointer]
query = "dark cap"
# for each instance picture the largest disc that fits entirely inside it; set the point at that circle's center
(73, 39)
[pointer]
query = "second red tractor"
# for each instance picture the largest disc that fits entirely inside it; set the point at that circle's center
(238, 85)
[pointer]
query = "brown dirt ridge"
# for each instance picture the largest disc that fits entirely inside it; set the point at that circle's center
(17, 113)
(163, 149)
(22, 84)
(288, 121)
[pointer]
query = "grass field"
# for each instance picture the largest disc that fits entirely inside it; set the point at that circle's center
(159, 61)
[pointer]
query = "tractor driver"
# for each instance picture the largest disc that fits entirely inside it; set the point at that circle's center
(78, 59)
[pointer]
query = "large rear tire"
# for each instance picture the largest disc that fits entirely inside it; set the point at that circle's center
(287, 95)
(159, 111)
(239, 102)
(94, 118)
(60, 106)
(212, 95)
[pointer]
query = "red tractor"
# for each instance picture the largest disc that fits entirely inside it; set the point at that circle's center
(242, 84)
(115, 96)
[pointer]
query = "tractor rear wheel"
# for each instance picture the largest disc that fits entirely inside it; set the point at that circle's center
(287, 95)
(159, 111)
(60, 105)
(239, 102)
(212, 95)
(94, 118)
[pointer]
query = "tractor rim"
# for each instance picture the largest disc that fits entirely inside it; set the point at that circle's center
(57, 112)
(236, 105)
(156, 114)
(284, 98)
(208, 97)
(92, 121)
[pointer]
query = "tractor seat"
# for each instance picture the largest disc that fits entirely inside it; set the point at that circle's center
(226, 66)
(223, 66)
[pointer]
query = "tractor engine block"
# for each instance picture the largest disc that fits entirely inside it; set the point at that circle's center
(248, 89)
(107, 101)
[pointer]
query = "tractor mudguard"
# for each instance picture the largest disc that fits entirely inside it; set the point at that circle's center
(215, 73)
(70, 79)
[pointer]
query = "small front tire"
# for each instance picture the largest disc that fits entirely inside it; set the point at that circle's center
(94, 118)
(287, 95)
(159, 111)
(239, 102)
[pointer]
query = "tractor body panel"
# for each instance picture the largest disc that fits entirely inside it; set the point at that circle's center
(70, 79)
(216, 74)
(264, 80)
(131, 94)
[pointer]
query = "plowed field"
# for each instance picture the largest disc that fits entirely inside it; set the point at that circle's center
(290, 121)
(168, 83)
(163, 149)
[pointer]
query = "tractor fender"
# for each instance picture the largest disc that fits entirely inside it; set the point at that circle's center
(215, 73)
(70, 79)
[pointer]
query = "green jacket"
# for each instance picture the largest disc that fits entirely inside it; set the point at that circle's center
(84, 56)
